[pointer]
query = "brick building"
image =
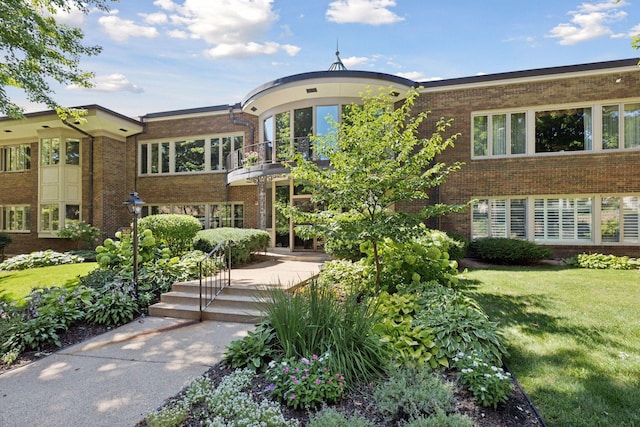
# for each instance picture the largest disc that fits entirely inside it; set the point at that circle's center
(551, 155)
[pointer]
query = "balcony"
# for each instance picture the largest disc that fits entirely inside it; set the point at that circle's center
(266, 158)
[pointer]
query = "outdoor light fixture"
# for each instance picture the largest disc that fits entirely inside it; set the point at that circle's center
(134, 206)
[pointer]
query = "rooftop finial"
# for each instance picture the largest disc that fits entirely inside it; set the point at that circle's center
(338, 65)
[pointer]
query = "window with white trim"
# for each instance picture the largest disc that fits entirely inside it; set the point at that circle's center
(499, 218)
(620, 219)
(15, 218)
(500, 134)
(563, 219)
(564, 129)
(620, 126)
(210, 215)
(187, 155)
(49, 217)
(15, 158)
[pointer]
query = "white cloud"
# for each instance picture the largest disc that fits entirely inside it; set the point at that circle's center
(355, 61)
(240, 50)
(121, 29)
(417, 76)
(589, 21)
(111, 83)
(178, 34)
(233, 27)
(373, 12)
(157, 18)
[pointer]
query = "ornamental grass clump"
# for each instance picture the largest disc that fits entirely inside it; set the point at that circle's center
(305, 383)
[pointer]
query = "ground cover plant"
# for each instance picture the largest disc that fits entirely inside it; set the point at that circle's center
(574, 339)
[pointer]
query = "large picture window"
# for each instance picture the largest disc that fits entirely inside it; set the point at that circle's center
(563, 130)
(563, 219)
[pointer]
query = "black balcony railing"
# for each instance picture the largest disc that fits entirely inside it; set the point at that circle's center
(269, 152)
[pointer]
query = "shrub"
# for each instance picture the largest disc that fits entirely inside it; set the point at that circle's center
(411, 393)
(329, 417)
(458, 246)
(423, 258)
(118, 254)
(489, 383)
(600, 261)
(305, 383)
(39, 259)
(508, 251)
(441, 419)
(355, 278)
(5, 240)
(175, 231)
(245, 242)
(80, 231)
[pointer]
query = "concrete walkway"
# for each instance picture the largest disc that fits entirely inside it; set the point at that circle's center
(115, 379)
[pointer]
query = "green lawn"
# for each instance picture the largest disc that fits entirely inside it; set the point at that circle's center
(15, 285)
(574, 339)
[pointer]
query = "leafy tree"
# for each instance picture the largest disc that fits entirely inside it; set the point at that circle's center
(36, 49)
(376, 160)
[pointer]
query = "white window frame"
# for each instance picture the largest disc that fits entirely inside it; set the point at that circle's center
(206, 218)
(5, 210)
(9, 152)
(530, 114)
(207, 167)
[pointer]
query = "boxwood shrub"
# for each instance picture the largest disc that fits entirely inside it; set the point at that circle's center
(175, 231)
(245, 241)
(508, 251)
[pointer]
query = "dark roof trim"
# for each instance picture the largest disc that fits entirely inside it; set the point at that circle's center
(84, 107)
(538, 72)
(328, 75)
(210, 109)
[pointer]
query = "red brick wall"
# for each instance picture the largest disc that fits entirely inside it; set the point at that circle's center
(540, 175)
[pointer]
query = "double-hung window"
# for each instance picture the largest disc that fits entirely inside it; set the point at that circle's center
(620, 126)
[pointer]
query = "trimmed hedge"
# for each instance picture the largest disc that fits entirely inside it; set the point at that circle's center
(175, 231)
(508, 251)
(245, 241)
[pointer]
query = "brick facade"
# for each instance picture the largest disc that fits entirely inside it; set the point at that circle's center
(115, 162)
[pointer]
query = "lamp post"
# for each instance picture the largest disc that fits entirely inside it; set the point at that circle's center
(134, 206)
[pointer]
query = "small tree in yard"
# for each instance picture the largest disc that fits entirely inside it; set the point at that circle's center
(376, 160)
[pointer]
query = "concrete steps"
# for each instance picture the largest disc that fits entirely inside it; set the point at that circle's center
(233, 304)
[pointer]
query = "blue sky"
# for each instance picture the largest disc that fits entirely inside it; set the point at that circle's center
(173, 54)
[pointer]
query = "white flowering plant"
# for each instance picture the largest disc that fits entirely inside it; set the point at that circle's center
(305, 383)
(489, 384)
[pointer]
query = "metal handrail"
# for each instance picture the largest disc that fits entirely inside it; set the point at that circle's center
(215, 273)
(266, 154)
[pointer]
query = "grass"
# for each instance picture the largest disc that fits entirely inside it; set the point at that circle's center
(574, 339)
(15, 285)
